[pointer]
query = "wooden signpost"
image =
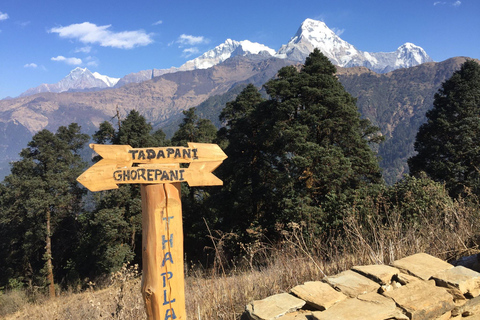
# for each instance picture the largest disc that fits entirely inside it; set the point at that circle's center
(159, 173)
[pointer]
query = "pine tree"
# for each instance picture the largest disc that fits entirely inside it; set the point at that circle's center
(41, 201)
(240, 199)
(302, 153)
(112, 234)
(194, 129)
(447, 144)
(319, 143)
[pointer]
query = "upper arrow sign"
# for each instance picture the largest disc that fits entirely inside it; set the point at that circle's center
(126, 155)
(154, 166)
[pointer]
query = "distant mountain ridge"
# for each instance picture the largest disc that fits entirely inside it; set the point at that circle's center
(79, 79)
(230, 48)
(315, 34)
(311, 34)
(395, 101)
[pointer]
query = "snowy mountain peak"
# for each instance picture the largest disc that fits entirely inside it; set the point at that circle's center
(230, 48)
(79, 79)
(315, 34)
(409, 55)
(108, 80)
(312, 28)
(310, 35)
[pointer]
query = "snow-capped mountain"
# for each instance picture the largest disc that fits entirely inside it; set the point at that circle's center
(311, 34)
(230, 48)
(77, 80)
(315, 34)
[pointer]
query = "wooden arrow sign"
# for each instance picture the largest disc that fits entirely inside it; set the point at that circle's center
(159, 172)
(154, 166)
(126, 155)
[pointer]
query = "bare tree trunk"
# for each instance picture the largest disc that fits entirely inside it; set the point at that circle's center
(48, 247)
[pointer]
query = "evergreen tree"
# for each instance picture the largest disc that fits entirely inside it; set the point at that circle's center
(112, 232)
(318, 142)
(305, 150)
(239, 202)
(194, 129)
(41, 201)
(447, 144)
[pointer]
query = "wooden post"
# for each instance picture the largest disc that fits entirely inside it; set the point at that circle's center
(163, 286)
(158, 172)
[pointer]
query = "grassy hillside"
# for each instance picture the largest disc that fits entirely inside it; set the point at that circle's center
(446, 229)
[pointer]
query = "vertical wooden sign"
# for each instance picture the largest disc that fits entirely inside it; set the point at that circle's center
(159, 173)
(163, 274)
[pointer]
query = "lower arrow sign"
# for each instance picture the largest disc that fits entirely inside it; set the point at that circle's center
(106, 177)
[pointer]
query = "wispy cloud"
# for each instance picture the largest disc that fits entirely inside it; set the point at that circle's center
(85, 49)
(442, 3)
(188, 40)
(30, 65)
(71, 61)
(23, 23)
(337, 31)
(190, 51)
(157, 23)
(92, 61)
(90, 33)
(3, 16)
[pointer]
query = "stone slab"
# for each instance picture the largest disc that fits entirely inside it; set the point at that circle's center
(371, 306)
(460, 278)
(470, 308)
(298, 315)
(379, 273)
(422, 300)
(273, 307)
(421, 265)
(445, 316)
(319, 295)
(352, 283)
(404, 278)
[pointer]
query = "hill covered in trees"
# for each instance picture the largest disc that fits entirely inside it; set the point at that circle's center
(396, 102)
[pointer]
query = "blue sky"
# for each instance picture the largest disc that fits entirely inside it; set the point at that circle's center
(42, 41)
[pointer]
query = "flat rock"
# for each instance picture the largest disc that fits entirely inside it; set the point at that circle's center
(422, 300)
(352, 283)
(297, 315)
(421, 265)
(371, 306)
(404, 278)
(273, 307)
(470, 308)
(445, 316)
(459, 278)
(319, 295)
(379, 273)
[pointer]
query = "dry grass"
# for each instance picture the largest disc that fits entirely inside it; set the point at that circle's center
(448, 231)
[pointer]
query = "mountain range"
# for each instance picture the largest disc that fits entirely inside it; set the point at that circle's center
(79, 79)
(311, 34)
(396, 101)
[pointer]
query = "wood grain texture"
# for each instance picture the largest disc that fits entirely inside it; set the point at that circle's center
(163, 284)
